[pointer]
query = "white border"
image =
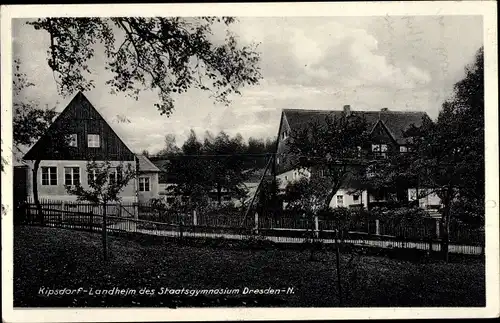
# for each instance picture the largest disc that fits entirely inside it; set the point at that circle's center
(485, 8)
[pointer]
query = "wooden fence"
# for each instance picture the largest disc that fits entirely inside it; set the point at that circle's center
(290, 229)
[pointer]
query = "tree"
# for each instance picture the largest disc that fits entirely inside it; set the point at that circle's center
(189, 183)
(105, 184)
(226, 164)
(448, 156)
(166, 55)
(305, 198)
(30, 121)
(334, 147)
(171, 147)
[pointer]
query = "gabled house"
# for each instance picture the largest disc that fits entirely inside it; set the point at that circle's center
(63, 162)
(386, 128)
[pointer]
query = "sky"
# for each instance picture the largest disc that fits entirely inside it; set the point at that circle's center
(405, 63)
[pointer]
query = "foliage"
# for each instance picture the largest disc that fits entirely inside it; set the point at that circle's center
(167, 55)
(447, 156)
(333, 146)
(30, 121)
(106, 183)
(218, 164)
(270, 198)
(171, 148)
(306, 196)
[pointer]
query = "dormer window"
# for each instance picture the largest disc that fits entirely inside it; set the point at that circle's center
(93, 141)
(403, 149)
(284, 135)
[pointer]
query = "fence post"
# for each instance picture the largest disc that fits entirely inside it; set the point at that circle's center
(136, 211)
(438, 234)
(195, 220)
(377, 227)
(91, 220)
(256, 225)
(63, 208)
(316, 226)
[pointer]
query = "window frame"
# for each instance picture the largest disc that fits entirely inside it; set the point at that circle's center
(381, 152)
(114, 171)
(341, 199)
(72, 168)
(49, 177)
(93, 135)
(89, 174)
(144, 185)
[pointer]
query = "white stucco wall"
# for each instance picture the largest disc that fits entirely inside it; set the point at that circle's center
(424, 202)
(154, 188)
(292, 176)
(348, 199)
(58, 192)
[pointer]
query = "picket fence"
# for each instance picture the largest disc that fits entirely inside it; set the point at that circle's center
(284, 229)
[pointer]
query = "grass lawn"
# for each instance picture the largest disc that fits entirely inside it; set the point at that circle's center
(54, 258)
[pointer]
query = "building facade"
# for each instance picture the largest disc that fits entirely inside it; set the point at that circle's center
(79, 134)
(386, 136)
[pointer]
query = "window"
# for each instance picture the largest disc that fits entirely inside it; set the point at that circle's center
(355, 197)
(340, 200)
(73, 140)
(321, 173)
(91, 176)
(286, 178)
(144, 184)
(380, 150)
(403, 149)
(49, 175)
(93, 141)
(277, 160)
(114, 175)
(284, 135)
(71, 176)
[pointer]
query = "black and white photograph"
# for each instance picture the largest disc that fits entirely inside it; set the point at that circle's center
(249, 156)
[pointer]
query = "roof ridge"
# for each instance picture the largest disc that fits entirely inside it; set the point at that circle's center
(358, 111)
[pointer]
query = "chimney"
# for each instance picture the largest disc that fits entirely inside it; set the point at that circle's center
(347, 109)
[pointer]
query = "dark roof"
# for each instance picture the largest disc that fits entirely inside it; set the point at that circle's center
(396, 122)
(145, 165)
(77, 116)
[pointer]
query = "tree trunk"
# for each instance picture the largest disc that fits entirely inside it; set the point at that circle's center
(337, 259)
(39, 213)
(445, 229)
(219, 198)
(104, 233)
(313, 241)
